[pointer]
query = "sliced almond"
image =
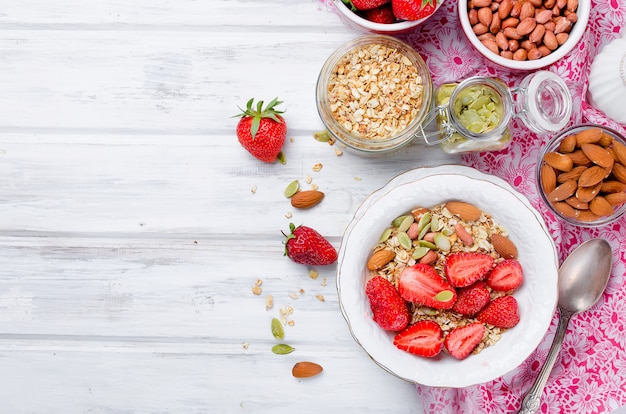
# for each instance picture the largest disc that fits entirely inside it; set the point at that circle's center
(379, 259)
(558, 161)
(600, 206)
(504, 246)
(588, 136)
(592, 176)
(306, 369)
(598, 155)
(563, 191)
(466, 211)
(306, 199)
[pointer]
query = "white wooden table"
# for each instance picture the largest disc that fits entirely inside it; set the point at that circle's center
(133, 226)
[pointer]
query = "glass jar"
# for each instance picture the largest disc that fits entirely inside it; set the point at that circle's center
(474, 115)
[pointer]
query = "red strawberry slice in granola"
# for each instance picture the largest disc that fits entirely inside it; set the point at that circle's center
(463, 269)
(501, 312)
(421, 284)
(471, 299)
(390, 310)
(424, 338)
(460, 342)
(506, 276)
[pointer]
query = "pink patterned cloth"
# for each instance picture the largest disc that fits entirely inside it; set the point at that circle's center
(590, 373)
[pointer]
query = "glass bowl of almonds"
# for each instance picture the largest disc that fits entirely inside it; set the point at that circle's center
(373, 94)
(524, 35)
(581, 175)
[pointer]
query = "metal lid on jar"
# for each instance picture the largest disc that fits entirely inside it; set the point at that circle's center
(545, 104)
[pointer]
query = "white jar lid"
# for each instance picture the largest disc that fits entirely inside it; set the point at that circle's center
(607, 80)
(547, 102)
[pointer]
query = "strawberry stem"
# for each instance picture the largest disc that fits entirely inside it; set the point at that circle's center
(259, 113)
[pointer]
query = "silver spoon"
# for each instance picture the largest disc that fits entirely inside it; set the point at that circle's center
(583, 276)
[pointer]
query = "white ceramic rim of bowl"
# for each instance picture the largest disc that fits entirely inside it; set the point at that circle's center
(444, 371)
(379, 27)
(583, 11)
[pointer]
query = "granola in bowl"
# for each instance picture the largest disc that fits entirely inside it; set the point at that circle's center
(509, 214)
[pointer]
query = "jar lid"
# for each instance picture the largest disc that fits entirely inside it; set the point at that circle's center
(547, 102)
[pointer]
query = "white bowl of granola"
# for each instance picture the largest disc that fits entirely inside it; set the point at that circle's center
(503, 211)
(373, 94)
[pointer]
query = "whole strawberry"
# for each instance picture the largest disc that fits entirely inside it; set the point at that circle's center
(306, 246)
(368, 4)
(390, 310)
(413, 9)
(262, 131)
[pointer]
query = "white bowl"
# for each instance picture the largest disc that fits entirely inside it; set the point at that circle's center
(537, 297)
(584, 8)
(358, 23)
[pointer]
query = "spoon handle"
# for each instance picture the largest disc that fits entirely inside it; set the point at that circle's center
(530, 404)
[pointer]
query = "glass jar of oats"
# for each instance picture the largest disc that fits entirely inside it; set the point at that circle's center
(373, 94)
(474, 115)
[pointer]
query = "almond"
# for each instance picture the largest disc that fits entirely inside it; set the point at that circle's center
(565, 209)
(619, 172)
(568, 144)
(615, 199)
(600, 207)
(548, 178)
(573, 174)
(504, 246)
(598, 155)
(619, 150)
(612, 186)
(587, 216)
(605, 140)
(591, 176)
(306, 369)
(558, 161)
(379, 259)
(306, 199)
(579, 158)
(588, 136)
(577, 204)
(466, 211)
(586, 194)
(563, 191)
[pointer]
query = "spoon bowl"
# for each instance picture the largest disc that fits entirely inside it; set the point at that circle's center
(583, 276)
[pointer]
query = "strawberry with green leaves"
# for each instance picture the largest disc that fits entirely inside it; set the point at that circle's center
(306, 246)
(413, 9)
(262, 130)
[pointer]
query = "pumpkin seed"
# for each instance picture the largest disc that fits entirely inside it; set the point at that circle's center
(424, 220)
(277, 329)
(282, 349)
(404, 240)
(434, 224)
(385, 235)
(420, 252)
(322, 136)
(397, 221)
(444, 296)
(425, 230)
(442, 242)
(428, 244)
(281, 158)
(406, 223)
(292, 188)
(447, 231)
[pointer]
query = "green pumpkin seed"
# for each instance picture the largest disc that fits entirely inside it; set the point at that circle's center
(397, 221)
(385, 236)
(424, 221)
(322, 136)
(282, 349)
(277, 329)
(281, 158)
(292, 188)
(428, 244)
(442, 242)
(430, 311)
(404, 240)
(423, 232)
(434, 224)
(444, 296)
(447, 232)
(406, 223)
(420, 252)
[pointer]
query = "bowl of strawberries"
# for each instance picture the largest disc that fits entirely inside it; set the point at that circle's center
(385, 16)
(447, 277)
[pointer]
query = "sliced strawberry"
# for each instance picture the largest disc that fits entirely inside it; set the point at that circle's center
(390, 310)
(423, 338)
(501, 312)
(421, 284)
(471, 299)
(507, 275)
(463, 269)
(460, 342)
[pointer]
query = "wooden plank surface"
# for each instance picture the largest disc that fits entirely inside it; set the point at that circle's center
(133, 225)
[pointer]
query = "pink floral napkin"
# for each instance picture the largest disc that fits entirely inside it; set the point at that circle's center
(590, 373)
